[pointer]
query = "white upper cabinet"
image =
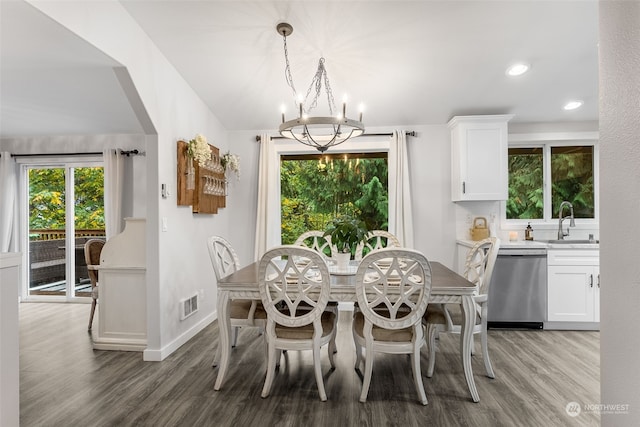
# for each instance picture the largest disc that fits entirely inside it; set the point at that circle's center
(479, 168)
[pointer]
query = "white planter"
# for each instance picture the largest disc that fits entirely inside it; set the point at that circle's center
(342, 260)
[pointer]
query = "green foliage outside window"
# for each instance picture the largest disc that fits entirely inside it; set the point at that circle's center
(572, 178)
(47, 198)
(313, 192)
(572, 171)
(526, 198)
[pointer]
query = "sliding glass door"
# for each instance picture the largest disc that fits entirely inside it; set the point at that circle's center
(65, 208)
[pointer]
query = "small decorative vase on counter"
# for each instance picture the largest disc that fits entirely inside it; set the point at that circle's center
(342, 260)
(191, 174)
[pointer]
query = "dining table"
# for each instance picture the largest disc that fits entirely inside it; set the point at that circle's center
(447, 287)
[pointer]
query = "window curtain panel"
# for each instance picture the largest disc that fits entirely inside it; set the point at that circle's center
(113, 188)
(268, 212)
(400, 216)
(8, 204)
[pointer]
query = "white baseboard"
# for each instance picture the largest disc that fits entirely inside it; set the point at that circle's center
(572, 326)
(150, 355)
(120, 344)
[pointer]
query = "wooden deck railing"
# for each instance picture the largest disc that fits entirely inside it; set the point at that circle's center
(49, 234)
(47, 255)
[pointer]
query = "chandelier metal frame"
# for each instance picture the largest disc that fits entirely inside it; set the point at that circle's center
(320, 132)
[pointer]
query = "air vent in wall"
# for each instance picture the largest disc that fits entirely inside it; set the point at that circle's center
(188, 306)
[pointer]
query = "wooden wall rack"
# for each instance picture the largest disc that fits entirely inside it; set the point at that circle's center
(210, 189)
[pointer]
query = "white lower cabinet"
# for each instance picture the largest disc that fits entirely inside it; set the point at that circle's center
(573, 286)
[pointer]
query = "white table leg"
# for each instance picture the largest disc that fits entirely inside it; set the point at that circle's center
(224, 328)
(466, 341)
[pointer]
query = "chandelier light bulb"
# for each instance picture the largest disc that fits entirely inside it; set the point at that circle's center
(283, 110)
(344, 106)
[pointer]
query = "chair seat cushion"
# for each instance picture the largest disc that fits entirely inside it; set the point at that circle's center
(382, 334)
(434, 315)
(456, 314)
(240, 309)
(306, 331)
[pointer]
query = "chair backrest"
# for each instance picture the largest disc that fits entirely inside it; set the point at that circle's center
(316, 240)
(223, 258)
(378, 239)
(294, 285)
(480, 262)
(92, 250)
(393, 287)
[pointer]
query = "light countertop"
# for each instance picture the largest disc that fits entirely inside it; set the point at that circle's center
(534, 244)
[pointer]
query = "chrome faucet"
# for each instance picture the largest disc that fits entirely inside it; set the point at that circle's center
(572, 222)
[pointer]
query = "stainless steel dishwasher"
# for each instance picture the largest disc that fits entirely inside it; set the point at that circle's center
(518, 290)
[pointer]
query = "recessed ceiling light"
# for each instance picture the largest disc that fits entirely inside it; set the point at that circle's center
(518, 69)
(572, 105)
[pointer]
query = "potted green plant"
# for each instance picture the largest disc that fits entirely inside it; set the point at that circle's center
(345, 233)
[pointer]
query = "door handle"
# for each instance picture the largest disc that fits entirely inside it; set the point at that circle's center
(464, 187)
(591, 280)
(598, 279)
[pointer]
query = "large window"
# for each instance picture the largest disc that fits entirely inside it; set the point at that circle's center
(569, 171)
(315, 189)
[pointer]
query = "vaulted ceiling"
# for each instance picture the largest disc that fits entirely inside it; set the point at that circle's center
(409, 62)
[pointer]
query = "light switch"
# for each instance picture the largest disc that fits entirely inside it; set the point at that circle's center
(164, 223)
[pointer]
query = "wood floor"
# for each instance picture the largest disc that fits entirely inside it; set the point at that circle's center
(64, 382)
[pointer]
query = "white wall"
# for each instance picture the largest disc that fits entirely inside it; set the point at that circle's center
(620, 196)
(175, 112)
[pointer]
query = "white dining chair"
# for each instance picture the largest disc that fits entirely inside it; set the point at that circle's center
(242, 313)
(378, 239)
(392, 288)
(316, 240)
(441, 318)
(294, 285)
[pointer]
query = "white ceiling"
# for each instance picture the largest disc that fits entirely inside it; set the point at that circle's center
(409, 62)
(54, 83)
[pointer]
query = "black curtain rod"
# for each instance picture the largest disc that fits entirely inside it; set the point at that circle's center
(407, 133)
(122, 152)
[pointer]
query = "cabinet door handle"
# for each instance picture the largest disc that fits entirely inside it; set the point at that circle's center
(598, 279)
(464, 187)
(591, 280)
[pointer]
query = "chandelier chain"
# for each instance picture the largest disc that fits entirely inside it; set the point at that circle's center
(287, 70)
(318, 79)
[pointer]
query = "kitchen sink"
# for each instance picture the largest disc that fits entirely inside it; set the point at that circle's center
(572, 241)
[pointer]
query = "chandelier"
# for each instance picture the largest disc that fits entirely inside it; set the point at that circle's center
(315, 131)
